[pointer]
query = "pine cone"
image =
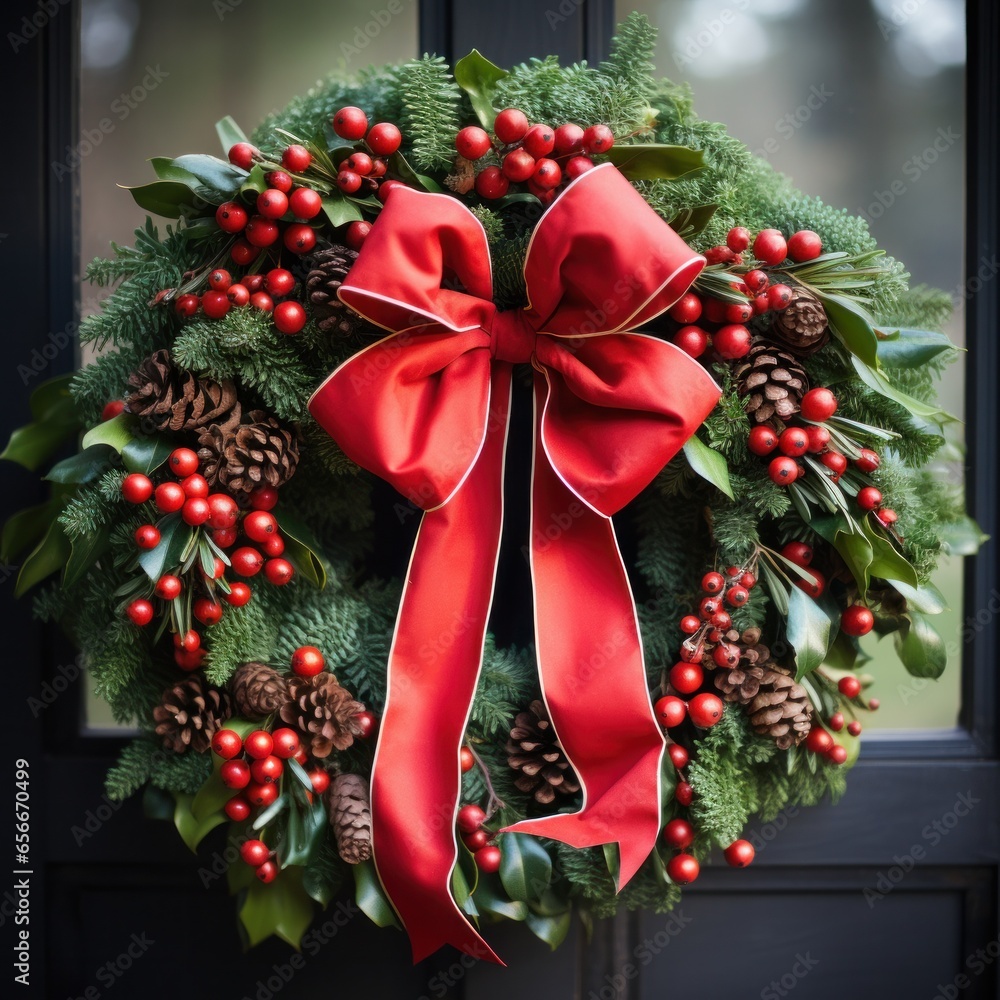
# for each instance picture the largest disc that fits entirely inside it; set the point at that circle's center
(169, 398)
(534, 751)
(257, 691)
(190, 713)
(771, 382)
(802, 325)
(742, 682)
(351, 817)
(781, 707)
(323, 712)
(259, 452)
(327, 270)
(462, 178)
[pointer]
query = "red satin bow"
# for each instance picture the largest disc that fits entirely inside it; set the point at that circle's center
(426, 408)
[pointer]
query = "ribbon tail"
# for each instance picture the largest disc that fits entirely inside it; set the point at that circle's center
(592, 673)
(434, 667)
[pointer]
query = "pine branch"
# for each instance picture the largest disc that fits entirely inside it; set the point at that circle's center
(430, 111)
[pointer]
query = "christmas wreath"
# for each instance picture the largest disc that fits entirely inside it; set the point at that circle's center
(732, 368)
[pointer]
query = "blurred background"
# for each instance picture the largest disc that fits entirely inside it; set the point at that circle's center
(859, 102)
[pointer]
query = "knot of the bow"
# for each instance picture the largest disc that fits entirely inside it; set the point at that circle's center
(512, 337)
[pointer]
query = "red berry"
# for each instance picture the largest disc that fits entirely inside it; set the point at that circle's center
(726, 654)
(279, 180)
(854, 728)
(679, 757)
(384, 139)
(739, 853)
(709, 606)
(738, 239)
(235, 774)
(712, 583)
(770, 247)
(348, 181)
(783, 470)
(320, 779)
(679, 833)
(261, 795)
(886, 516)
(259, 526)
(819, 438)
(296, 158)
(140, 612)
(762, 440)
(220, 279)
(510, 125)
(836, 721)
(279, 282)
(670, 711)
(691, 340)
(568, 138)
(472, 142)
(247, 561)
(285, 743)
(748, 580)
(262, 301)
(684, 793)
(739, 312)
(598, 139)
(366, 723)
(227, 743)
(470, 818)
(835, 462)
(195, 486)
(686, 678)
(360, 163)
(476, 840)
(488, 858)
(273, 547)
(539, 141)
(793, 441)
(188, 641)
(279, 571)
(804, 245)
(761, 304)
(289, 317)
(818, 405)
(243, 155)
(850, 686)
(137, 488)
(350, 123)
(254, 852)
(267, 769)
(307, 661)
(837, 754)
(239, 594)
(732, 341)
(683, 868)
(207, 611)
(577, 165)
(147, 537)
(490, 183)
(215, 305)
(261, 232)
(195, 511)
(869, 498)
(305, 203)
(300, 238)
(466, 760)
(357, 233)
(258, 744)
(547, 175)
(868, 461)
(819, 740)
(705, 710)
(243, 252)
(187, 305)
(231, 217)
(779, 297)
(798, 553)
(237, 809)
(518, 165)
(223, 511)
(815, 585)
(689, 624)
(857, 620)
(169, 587)
(687, 308)
(737, 596)
(756, 281)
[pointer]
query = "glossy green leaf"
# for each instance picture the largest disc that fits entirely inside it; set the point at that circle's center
(462, 892)
(478, 77)
(301, 548)
(612, 858)
(807, 630)
(371, 897)
(281, 907)
(229, 133)
(843, 653)
(307, 825)
(689, 222)
(54, 420)
(192, 829)
(24, 530)
(552, 930)
(400, 167)
(655, 161)
(874, 379)
(851, 324)
(339, 210)
(708, 464)
(775, 587)
(925, 598)
(175, 537)
(212, 795)
(254, 183)
(962, 537)
(81, 467)
(171, 199)
(525, 866)
(920, 647)
(115, 433)
(47, 557)
(222, 178)
(886, 562)
(911, 348)
(490, 898)
(84, 553)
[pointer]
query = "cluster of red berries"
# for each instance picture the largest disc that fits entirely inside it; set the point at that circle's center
(219, 515)
(365, 167)
(476, 837)
(849, 688)
(731, 339)
(254, 291)
(538, 156)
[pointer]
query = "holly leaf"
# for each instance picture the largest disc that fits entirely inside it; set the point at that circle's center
(399, 165)
(808, 631)
(478, 77)
(489, 899)
(551, 929)
(81, 467)
(146, 454)
(84, 552)
(46, 558)
(708, 464)
(874, 379)
(171, 199)
(281, 907)
(229, 133)
(525, 867)
(920, 647)
(339, 210)
(54, 420)
(301, 548)
(371, 897)
(115, 433)
(254, 183)
(851, 324)
(217, 176)
(655, 161)
(25, 528)
(905, 348)
(175, 537)
(886, 562)
(192, 829)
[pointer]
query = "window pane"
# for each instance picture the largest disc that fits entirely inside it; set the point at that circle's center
(861, 104)
(156, 77)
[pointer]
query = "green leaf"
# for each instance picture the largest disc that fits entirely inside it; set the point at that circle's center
(655, 161)
(371, 897)
(708, 464)
(612, 858)
(399, 166)
(478, 77)
(525, 867)
(962, 537)
(281, 907)
(808, 631)
(850, 541)
(254, 183)
(876, 380)
(552, 930)
(84, 552)
(489, 898)
(146, 454)
(301, 548)
(886, 562)
(851, 324)
(339, 211)
(920, 647)
(911, 348)
(229, 133)
(462, 892)
(775, 587)
(192, 829)
(46, 558)
(175, 537)
(171, 199)
(310, 823)
(54, 419)
(925, 598)
(689, 222)
(115, 433)
(222, 178)
(25, 528)
(212, 795)
(82, 467)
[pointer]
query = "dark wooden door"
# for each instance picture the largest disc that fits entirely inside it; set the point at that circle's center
(894, 892)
